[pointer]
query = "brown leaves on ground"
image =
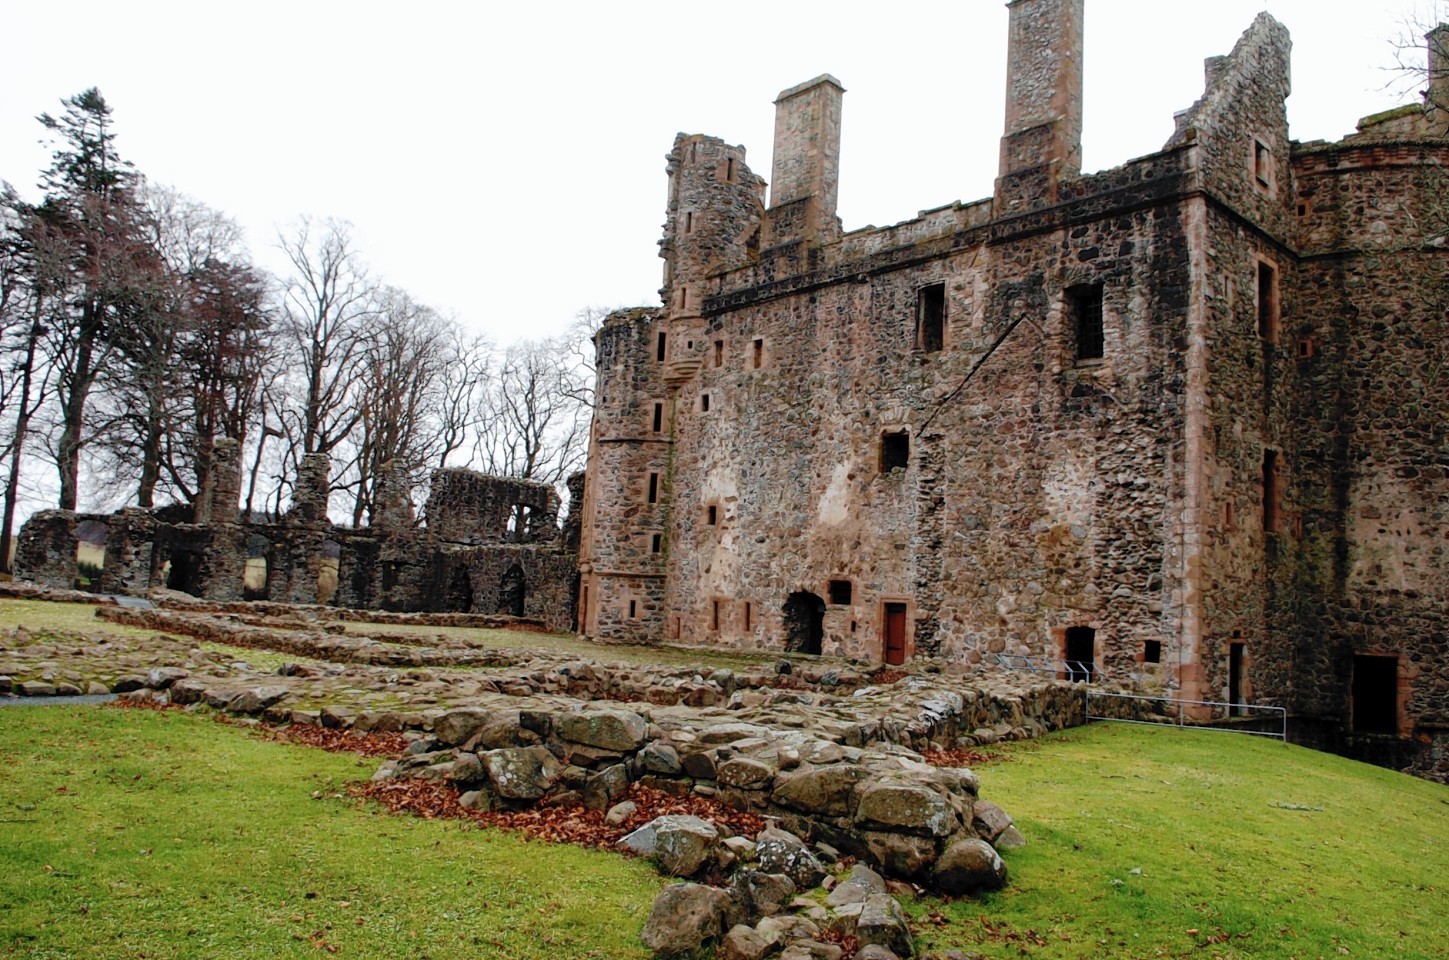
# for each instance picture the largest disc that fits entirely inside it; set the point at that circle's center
(126, 703)
(340, 741)
(961, 757)
(558, 823)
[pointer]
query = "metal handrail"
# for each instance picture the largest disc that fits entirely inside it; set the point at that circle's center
(1077, 671)
(1182, 719)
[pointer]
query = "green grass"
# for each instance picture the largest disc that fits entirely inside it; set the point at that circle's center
(1198, 813)
(138, 834)
(129, 833)
(43, 615)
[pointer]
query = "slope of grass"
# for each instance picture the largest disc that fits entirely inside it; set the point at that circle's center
(131, 834)
(1164, 843)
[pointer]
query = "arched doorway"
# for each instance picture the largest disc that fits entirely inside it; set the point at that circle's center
(804, 619)
(511, 591)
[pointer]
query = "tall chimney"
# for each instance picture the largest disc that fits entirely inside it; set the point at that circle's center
(1043, 95)
(806, 168)
(1438, 93)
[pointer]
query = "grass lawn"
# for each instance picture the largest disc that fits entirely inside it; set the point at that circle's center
(133, 834)
(1229, 866)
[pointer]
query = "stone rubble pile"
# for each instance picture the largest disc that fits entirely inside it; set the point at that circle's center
(880, 803)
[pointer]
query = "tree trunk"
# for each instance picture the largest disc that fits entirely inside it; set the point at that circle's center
(74, 409)
(22, 427)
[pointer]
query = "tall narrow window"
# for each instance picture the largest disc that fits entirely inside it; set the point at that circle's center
(683, 297)
(895, 451)
(633, 609)
(1084, 307)
(1262, 163)
(719, 353)
(711, 515)
(704, 403)
(730, 170)
(658, 417)
(714, 614)
(656, 543)
(931, 317)
(749, 616)
(1267, 302)
(688, 221)
(758, 358)
(1270, 491)
(659, 347)
(653, 488)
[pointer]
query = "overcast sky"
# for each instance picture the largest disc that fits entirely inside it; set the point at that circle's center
(505, 162)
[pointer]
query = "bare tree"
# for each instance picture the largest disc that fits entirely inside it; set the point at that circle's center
(328, 304)
(1421, 57)
(537, 427)
(462, 401)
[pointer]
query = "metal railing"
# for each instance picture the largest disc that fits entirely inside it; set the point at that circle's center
(1077, 671)
(1200, 714)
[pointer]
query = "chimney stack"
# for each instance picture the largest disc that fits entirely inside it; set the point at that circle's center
(805, 173)
(1042, 145)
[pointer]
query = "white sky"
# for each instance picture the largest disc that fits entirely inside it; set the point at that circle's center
(505, 162)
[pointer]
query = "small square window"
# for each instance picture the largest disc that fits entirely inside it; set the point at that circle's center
(1152, 651)
(895, 451)
(1084, 309)
(839, 591)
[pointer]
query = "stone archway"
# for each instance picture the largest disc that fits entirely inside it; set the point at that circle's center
(512, 590)
(804, 620)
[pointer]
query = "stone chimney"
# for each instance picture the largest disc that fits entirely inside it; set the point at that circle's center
(313, 490)
(1438, 93)
(1042, 145)
(219, 499)
(805, 174)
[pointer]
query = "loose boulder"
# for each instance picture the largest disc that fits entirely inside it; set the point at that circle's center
(969, 866)
(686, 917)
(521, 773)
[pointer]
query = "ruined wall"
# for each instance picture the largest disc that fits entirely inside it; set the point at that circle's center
(467, 507)
(1376, 516)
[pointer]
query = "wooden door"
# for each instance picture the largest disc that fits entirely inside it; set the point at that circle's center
(895, 633)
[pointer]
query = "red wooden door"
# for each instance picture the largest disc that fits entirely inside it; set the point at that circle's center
(895, 633)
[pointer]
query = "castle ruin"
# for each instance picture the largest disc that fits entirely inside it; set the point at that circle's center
(1185, 420)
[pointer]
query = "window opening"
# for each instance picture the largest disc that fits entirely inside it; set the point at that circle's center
(633, 609)
(653, 488)
(688, 221)
(730, 170)
(90, 554)
(1270, 491)
(185, 572)
(1235, 680)
(1375, 694)
(1267, 302)
(1305, 348)
(1085, 306)
(719, 353)
(1152, 651)
(658, 417)
(931, 317)
(656, 542)
(659, 348)
(839, 592)
(749, 616)
(683, 297)
(714, 614)
(758, 359)
(328, 566)
(1262, 163)
(704, 403)
(895, 451)
(711, 514)
(1081, 643)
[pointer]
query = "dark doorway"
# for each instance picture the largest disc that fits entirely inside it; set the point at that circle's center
(458, 598)
(511, 591)
(185, 572)
(895, 634)
(1235, 680)
(1081, 654)
(1376, 694)
(804, 623)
